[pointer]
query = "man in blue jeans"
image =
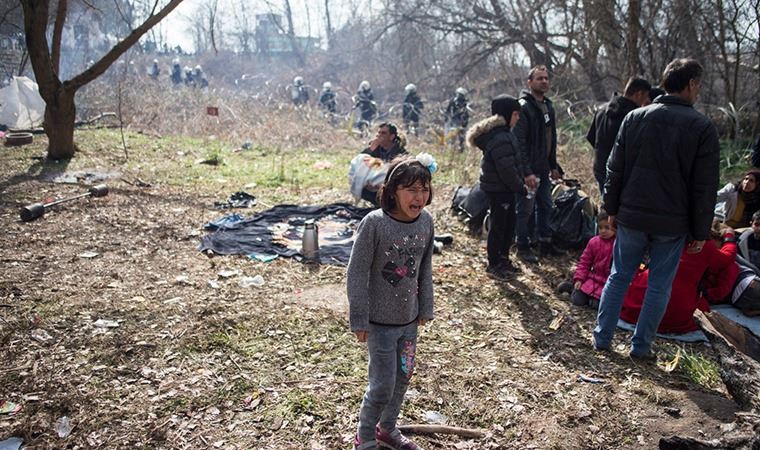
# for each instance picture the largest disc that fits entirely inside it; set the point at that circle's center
(536, 132)
(662, 177)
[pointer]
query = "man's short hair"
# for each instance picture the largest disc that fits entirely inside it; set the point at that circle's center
(679, 72)
(392, 128)
(636, 84)
(756, 216)
(535, 69)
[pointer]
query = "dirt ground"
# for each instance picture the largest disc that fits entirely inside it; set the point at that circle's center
(189, 365)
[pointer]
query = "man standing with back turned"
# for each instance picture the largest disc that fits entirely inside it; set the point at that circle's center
(607, 120)
(662, 177)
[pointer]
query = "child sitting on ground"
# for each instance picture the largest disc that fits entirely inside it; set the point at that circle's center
(593, 268)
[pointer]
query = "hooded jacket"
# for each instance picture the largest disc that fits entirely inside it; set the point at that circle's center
(535, 156)
(499, 171)
(662, 174)
(604, 128)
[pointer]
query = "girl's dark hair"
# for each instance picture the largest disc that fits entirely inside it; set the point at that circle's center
(754, 172)
(602, 216)
(404, 171)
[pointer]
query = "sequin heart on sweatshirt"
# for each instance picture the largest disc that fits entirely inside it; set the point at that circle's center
(394, 273)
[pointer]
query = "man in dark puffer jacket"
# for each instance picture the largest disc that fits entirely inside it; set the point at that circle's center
(536, 131)
(662, 177)
(500, 178)
(607, 120)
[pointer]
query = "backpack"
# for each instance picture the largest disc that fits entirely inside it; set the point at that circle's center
(471, 205)
(571, 223)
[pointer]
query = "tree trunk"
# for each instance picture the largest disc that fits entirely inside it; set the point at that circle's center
(632, 39)
(59, 125)
(328, 25)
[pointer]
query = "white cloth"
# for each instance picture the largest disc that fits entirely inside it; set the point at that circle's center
(365, 171)
(21, 106)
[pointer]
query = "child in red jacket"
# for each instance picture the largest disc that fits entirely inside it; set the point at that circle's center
(593, 268)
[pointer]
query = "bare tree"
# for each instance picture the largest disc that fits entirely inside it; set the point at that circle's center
(291, 33)
(328, 25)
(60, 110)
(633, 65)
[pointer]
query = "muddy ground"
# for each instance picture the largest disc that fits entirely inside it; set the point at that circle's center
(190, 366)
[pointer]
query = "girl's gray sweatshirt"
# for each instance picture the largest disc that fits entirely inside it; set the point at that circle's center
(390, 278)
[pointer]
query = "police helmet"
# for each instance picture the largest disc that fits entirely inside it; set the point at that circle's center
(327, 86)
(298, 81)
(410, 88)
(364, 86)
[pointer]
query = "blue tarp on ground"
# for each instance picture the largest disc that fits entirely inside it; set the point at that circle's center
(279, 231)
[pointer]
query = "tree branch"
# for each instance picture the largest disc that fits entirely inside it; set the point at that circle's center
(60, 19)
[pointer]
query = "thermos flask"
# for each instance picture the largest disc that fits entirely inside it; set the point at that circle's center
(310, 242)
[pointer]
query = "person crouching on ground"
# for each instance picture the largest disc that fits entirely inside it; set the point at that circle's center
(390, 294)
(500, 178)
(593, 268)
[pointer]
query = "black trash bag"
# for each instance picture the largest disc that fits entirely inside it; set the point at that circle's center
(570, 224)
(240, 199)
(471, 206)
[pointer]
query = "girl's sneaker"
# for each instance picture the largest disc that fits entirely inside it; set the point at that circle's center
(369, 445)
(394, 440)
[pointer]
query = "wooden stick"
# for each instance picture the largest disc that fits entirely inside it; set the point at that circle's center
(737, 370)
(442, 429)
(687, 443)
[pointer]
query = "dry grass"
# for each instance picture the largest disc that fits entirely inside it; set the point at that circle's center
(190, 366)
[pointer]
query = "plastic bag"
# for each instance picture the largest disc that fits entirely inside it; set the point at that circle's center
(365, 171)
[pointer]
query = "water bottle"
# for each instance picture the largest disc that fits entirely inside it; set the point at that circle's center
(310, 242)
(532, 192)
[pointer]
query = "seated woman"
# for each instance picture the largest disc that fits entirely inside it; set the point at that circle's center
(736, 202)
(685, 295)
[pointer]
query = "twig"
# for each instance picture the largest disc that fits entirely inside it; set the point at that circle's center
(235, 363)
(442, 429)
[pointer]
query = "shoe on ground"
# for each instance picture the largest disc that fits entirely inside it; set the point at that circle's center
(565, 287)
(526, 254)
(369, 445)
(600, 348)
(647, 357)
(548, 249)
(445, 239)
(500, 272)
(509, 267)
(394, 440)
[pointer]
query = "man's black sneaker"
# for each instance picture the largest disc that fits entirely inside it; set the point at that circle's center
(499, 273)
(526, 254)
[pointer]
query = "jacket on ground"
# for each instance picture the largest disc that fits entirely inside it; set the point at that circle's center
(685, 296)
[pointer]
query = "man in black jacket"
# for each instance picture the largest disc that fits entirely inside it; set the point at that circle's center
(500, 178)
(536, 132)
(662, 177)
(607, 120)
